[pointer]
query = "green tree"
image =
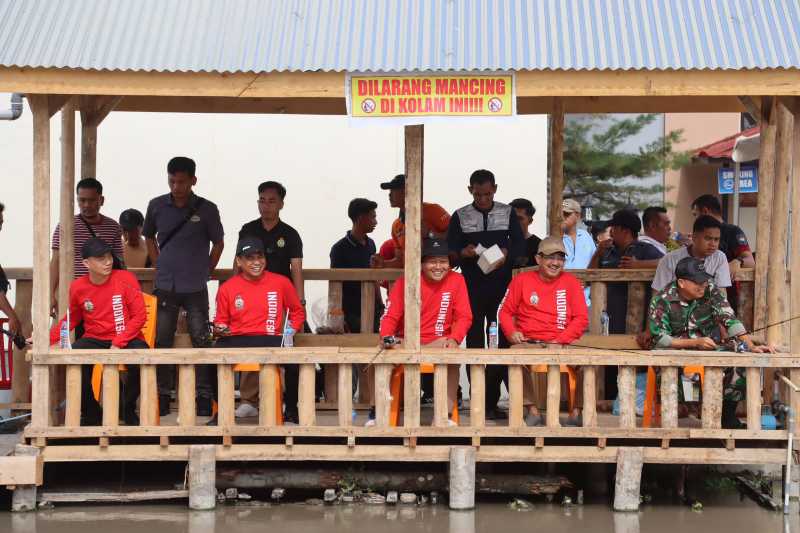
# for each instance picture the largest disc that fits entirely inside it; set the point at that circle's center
(597, 173)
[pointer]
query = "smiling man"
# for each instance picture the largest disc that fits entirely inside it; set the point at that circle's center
(545, 306)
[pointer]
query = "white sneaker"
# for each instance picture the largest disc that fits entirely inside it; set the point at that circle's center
(245, 410)
(369, 423)
(451, 423)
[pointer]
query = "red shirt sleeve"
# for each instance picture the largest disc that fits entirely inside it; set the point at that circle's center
(134, 303)
(297, 315)
(508, 307)
(75, 313)
(462, 312)
(222, 316)
(579, 315)
(392, 320)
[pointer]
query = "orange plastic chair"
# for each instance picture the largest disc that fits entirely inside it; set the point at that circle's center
(396, 390)
(695, 369)
(572, 380)
(253, 367)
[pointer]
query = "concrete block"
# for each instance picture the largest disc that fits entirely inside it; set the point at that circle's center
(629, 479)
(462, 477)
(202, 477)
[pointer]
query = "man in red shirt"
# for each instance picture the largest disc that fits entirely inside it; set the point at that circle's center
(110, 304)
(251, 309)
(544, 306)
(445, 313)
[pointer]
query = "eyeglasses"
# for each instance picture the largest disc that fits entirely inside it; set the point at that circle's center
(558, 256)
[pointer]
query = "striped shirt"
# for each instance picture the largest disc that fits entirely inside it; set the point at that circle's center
(107, 229)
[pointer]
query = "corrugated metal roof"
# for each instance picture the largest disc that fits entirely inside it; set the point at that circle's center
(395, 35)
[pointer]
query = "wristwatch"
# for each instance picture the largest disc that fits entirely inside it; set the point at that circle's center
(303, 302)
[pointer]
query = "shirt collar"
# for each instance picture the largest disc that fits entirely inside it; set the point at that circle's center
(190, 202)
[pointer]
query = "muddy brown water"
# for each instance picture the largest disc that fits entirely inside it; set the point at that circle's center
(731, 517)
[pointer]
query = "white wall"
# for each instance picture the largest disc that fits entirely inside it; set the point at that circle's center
(323, 162)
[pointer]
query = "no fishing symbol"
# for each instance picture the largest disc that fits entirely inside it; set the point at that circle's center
(495, 105)
(368, 105)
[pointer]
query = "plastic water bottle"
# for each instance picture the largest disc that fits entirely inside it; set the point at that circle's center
(604, 320)
(63, 335)
(288, 336)
(493, 343)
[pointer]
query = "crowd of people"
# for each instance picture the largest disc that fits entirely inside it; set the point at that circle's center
(484, 305)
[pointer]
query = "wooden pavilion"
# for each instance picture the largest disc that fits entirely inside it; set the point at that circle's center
(767, 85)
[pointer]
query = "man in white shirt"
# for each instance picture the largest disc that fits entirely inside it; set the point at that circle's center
(657, 228)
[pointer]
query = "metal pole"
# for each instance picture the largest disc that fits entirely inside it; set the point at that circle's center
(736, 175)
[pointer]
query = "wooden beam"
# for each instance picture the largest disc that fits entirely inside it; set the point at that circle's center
(104, 106)
(66, 206)
(231, 105)
(776, 270)
(766, 179)
(56, 102)
(556, 181)
(752, 107)
(794, 262)
(414, 150)
(543, 105)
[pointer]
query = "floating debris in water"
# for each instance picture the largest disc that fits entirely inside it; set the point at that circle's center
(434, 498)
(244, 496)
(374, 498)
(408, 498)
(697, 507)
(314, 501)
(329, 496)
(566, 501)
(231, 493)
(278, 493)
(391, 497)
(518, 504)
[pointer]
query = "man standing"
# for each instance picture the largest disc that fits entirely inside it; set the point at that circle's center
(355, 250)
(544, 306)
(623, 250)
(435, 221)
(689, 313)
(524, 210)
(251, 307)
(578, 243)
(485, 223)
(184, 239)
(110, 305)
(283, 250)
(133, 244)
(88, 223)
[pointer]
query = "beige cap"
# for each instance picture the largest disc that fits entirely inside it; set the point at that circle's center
(570, 206)
(552, 245)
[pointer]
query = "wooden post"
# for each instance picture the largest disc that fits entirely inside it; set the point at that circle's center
(306, 397)
(589, 396)
(94, 110)
(330, 384)
(414, 145)
(626, 383)
(776, 271)
(367, 306)
(515, 414)
(24, 496)
(794, 376)
(440, 407)
(41, 413)
(383, 401)
(556, 135)
(746, 302)
(628, 479)
(269, 404)
(477, 395)
(411, 385)
(20, 379)
(598, 292)
(187, 409)
(148, 397)
(66, 267)
(712, 398)
(669, 397)
(553, 395)
(72, 415)
(795, 234)
(636, 307)
(225, 401)
(766, 178)
(110, 395)
(345, 397)
(753, 376)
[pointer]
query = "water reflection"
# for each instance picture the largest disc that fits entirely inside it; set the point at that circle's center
(626, 522)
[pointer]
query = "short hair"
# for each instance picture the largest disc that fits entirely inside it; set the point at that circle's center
(181, 164)
(597, 227)
(705, 222)
(650, 214)
(360, 206)
(481, 176)
(708, 201)
(523, 203)
(2, 207)
(275, 186)
(89, 183)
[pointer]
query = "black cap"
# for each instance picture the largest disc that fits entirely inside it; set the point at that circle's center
(398, 182)
(434, 247)
(95, 247)
(131, 218)
(692, 269)
(249, 245)
(626, 218)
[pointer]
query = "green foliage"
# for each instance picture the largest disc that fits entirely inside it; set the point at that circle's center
(597, 172)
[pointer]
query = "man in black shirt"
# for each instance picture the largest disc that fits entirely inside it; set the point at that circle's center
(283, 250)
(524, 210)
(354, 250)
(487, 223)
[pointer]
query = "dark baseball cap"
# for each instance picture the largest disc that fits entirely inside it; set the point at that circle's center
(434, 247)
(131, 218)
(397, 182)
(626, 218)
(692, 269)
(95, 247)
(249, 245)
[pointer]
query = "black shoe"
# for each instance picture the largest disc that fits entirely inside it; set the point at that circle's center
(131, 418)
(204, 407)
(291, 417)
(91, 421)
(729, 418)
(496, 414)
(163, 404)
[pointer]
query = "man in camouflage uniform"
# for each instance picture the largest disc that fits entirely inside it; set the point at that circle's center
(691, 313)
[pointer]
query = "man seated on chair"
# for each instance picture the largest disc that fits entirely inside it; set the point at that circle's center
(111, 306)
(692, 313)
(445, 313)
(545, 306)
(251, 308)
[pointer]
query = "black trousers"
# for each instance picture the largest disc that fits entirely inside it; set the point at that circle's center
(484, 300)
(91, 411)
(291, 372)
(196, 306)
